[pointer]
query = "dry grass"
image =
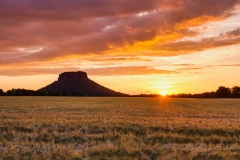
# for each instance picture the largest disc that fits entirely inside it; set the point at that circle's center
(119, 128)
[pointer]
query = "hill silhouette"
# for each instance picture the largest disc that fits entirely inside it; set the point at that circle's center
(78, 82)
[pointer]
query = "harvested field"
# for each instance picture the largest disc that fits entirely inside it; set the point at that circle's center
(119, 128)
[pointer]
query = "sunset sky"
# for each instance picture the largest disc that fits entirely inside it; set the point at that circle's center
(131, 46)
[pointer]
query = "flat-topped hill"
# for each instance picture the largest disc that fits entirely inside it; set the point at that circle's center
(78, 82)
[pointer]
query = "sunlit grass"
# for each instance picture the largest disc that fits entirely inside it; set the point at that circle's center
(119, 128)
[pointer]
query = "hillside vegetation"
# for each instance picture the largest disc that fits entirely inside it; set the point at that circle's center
(119, 128)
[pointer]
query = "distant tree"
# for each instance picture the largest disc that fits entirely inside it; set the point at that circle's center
(212, 95)
(204, 95)
(236, 92)
(223, 92)
(10, 93)
(18, 92)
(1, 92)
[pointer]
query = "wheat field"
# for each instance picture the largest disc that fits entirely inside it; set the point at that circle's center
(119, 128)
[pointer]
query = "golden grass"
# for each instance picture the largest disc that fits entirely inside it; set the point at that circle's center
(119, 128)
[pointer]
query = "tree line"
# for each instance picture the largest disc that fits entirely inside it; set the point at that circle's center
(221, 92)
(26, 92)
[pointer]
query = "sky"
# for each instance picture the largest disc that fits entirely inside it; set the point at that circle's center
(131, 46)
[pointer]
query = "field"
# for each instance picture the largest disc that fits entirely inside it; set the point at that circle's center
(119, 128)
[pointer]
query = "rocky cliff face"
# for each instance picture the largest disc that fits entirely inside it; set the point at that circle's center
(78, 82)
(73, 76)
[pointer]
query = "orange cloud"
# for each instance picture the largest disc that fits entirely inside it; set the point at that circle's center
(117, 59)
(183, 64)
(185, 47)
(233, 34)
(128, 70)
(225, 65)
(60, 29)
(108, 71)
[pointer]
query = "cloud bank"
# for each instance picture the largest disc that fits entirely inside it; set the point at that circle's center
(60, 28)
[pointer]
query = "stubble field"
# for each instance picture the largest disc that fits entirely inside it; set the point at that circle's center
(119, 128)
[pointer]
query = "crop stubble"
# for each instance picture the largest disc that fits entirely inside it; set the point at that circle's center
(119, 128)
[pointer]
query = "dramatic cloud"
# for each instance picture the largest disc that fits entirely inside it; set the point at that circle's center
(44, 30)
(185, 47)
(33, 71)
(114, 59)
(108, 71)
(128, 70)
(235, 33)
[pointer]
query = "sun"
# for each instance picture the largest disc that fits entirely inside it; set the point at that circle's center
(163, 93)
